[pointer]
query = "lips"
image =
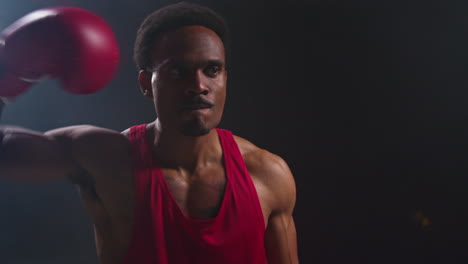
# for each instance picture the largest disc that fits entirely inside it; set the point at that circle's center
(195, 106)
(196, 103)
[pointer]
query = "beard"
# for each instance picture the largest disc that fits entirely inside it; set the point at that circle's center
(195, 128)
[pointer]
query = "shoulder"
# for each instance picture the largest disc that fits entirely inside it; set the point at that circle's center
(80, 130)
(88, 134)
(272, 171)
(258, 159)
(149, 129)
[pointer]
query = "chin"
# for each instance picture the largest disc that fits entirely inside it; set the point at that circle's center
(195, 129)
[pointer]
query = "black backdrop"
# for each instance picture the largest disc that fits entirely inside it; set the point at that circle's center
(364, 100)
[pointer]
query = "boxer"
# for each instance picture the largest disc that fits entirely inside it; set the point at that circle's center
(179, 189)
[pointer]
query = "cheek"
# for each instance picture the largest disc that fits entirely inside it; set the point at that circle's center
(220, 85)
(154, 83)
(221, 96)
(159, 86)
(160, 95)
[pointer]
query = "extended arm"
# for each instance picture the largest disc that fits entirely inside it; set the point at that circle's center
(58, 153)
(34, 156)
(31, 155)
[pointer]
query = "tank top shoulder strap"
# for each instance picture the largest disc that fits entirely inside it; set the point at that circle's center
(140, 249)
(137, 132)
(137, 136)
(241, 180)
(141, 157)
(228, 143)
(232, 154)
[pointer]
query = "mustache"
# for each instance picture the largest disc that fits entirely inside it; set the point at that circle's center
(197, 100)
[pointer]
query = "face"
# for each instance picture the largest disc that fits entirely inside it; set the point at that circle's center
(188, 80)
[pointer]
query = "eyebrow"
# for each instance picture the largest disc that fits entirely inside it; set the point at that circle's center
(216, 62)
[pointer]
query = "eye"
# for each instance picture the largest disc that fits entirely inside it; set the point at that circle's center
(212, 70)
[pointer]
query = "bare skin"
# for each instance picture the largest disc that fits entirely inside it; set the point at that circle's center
(99, 160)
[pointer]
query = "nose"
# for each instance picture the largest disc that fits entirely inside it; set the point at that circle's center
(198, 85)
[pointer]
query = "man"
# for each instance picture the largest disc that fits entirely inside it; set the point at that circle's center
(177, 190)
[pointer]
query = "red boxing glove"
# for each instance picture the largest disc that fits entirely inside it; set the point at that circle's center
(69, 43)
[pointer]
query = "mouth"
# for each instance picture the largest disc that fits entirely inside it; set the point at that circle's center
(196, 103)
(190, 107)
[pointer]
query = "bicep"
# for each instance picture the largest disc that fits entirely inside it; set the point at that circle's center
(281, 240)
(274, 174)
(280, 235)
(33, 156)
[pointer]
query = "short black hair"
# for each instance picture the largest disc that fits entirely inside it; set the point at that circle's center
(171, 17)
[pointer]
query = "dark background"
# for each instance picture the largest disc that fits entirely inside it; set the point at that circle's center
(365, 100)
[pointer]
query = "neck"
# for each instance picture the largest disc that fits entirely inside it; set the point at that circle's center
(174, 150)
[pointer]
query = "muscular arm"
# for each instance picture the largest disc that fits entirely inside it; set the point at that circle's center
(279, 196)
(33, 156)
(280, 235)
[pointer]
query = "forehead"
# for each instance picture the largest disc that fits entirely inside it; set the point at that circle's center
(188, 43)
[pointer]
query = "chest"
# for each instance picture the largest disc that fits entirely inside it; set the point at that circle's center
(199, 195)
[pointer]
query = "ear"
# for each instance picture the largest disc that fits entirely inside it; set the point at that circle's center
(144, 79)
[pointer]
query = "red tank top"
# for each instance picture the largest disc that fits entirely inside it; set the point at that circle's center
(162, 234)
